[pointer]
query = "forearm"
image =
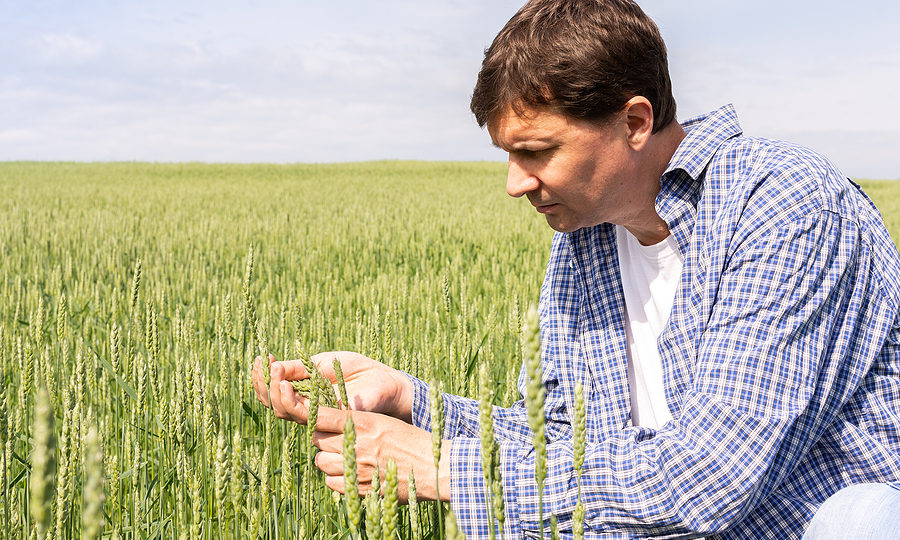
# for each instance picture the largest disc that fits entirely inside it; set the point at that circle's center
(684, 479)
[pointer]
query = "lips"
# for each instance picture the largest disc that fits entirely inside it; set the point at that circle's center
(543, 209)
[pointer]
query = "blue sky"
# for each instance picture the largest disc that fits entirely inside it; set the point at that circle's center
(317, 81)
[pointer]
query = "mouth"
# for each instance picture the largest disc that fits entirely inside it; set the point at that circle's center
(543, 209)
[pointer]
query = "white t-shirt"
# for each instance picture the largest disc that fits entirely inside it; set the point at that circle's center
(650, 277)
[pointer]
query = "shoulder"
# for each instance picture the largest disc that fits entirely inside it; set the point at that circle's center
(757, 183)
(755, 187)
(781, 179)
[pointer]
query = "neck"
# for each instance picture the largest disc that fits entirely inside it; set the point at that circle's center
(669, 139)
(649, 228)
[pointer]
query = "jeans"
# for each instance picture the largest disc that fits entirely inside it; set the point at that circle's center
(858, 512)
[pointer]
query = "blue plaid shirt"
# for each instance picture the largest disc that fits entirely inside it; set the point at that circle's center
(781, 359)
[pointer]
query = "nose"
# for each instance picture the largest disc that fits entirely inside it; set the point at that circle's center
(519, 180)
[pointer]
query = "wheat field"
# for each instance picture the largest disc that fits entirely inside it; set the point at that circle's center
(126, 340)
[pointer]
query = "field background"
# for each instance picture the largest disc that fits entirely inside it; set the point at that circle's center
(411, 263)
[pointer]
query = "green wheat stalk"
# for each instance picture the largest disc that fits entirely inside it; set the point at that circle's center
(351, 483)
(579, 426)
(534, 402)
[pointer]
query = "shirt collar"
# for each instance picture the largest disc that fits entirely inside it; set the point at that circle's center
(705, 134)
(681, 185)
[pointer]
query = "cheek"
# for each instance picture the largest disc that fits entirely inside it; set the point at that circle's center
(580, 188)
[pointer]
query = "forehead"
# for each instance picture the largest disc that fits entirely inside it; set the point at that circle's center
(528, 124)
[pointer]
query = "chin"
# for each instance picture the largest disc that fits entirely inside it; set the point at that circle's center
(561, 226)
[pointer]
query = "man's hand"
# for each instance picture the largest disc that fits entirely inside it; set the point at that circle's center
(371, 386)
(381, 400)
(378, 438)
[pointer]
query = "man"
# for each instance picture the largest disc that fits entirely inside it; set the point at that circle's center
(730, 304)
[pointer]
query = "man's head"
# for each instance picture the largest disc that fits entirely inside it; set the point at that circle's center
(581, 58)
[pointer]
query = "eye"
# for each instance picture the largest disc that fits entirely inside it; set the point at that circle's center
(530, 151)
(533, 153)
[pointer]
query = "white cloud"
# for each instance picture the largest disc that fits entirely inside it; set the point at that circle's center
(19, 136)
(65, 48)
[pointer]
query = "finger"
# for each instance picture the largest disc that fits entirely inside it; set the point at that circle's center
(289, 405)
(258, 366)
(328, 442)
(275, 398)
(278, 392)
(292, 370)
(259, 384)
(331, 420)
(276, 372)
(330, 463)
(278, 377)
(335, 483)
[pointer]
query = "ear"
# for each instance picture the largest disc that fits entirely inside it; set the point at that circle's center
(639, 116)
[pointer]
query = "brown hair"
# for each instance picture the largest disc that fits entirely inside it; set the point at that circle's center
(583, 58)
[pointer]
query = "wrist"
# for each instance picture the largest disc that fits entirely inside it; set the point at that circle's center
(404, 397)
(444, 471)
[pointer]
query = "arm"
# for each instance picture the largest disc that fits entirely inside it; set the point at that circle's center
(771, 371)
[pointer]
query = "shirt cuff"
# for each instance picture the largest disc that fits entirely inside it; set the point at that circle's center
(421, 411)
(458, 411)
